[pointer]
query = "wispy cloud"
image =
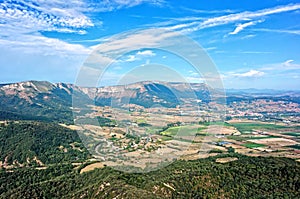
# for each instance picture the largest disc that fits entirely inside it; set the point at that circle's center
(41, 45)
(285, 69)
(249, 74)
(139, 55)
(209, 11)
(246, 16)
(283, 66)
(248, 36)
(110, 5)
(289, 63)
(296, 32)
(22, 24)
(30, 16)
(131, 58)
(235, 18)
(255, 52)
(243, 52)
(146, 53)
(241, 27)
(210, 48)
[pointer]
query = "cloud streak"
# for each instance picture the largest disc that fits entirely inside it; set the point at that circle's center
(23, 22)
(40, 45)
(105, 6)
(241, 27)
(246, 16)
(209, 11)
(234, 18)
(248, 74)
(284, 66)
(296, 32)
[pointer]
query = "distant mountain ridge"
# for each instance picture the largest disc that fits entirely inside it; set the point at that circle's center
(38, 100)
(54, 101)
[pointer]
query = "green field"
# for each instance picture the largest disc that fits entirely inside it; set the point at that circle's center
(140, 120)
(166, 138)
(253, 145)
(249, 127)
(220, 123)
(153, 130)
(296, 134)
(242, 138)
(263, 137)
(182, 131)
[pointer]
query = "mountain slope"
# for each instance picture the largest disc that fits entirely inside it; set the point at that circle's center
(248, 177)
(40, 100)
(26, 143)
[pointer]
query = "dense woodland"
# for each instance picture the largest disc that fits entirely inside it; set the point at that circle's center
(248, 177)
(49, 142)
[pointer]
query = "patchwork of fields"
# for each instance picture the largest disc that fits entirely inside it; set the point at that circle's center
(145, 139)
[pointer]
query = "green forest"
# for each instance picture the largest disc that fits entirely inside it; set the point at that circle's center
(49, 142)
(246, 178)
(53, 145)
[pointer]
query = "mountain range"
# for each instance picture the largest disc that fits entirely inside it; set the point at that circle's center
(42, 100)
(45, 159)
(53, 101)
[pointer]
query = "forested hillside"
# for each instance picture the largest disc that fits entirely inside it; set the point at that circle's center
(32, 143)
(246, 178)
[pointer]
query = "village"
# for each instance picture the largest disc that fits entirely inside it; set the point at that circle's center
(146, 137)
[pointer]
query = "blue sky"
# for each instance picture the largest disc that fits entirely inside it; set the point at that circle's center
(254, 44)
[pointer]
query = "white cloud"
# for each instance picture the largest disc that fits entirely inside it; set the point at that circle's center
(234, 18)
(121, 45)
(193, 73)
(251, 73)
(210, 48)
(194, 79)
(296, 32)
(209, 11)
(241, 27)
(246, 16)
(288, 63)
(255, 52)
(131, 58)
(149, 53)
(21, 24)
(117, 48)
(248, 36)
(30, 16)
(182, 26)
(110, 5)
(284, 66)
(38, 44)
(139, 55)
(137, 40)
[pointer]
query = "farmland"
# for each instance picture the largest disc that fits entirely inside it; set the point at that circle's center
(155, 136)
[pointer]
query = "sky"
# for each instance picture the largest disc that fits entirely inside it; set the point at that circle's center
(252, 43)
